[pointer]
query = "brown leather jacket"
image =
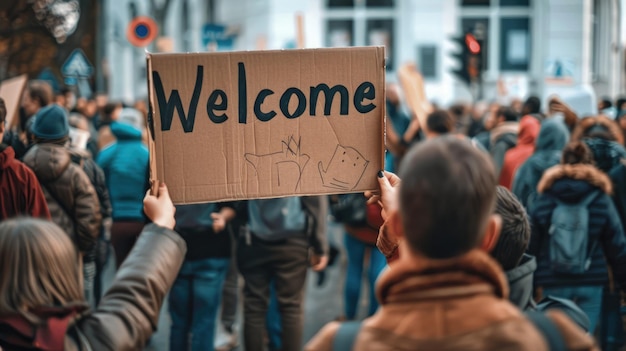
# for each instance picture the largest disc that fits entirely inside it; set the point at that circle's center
(72, 200)
(127, 315)
(456, 304)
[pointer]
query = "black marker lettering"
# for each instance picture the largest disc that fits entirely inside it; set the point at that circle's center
(284, 103)
(365, 91)
(263, 116)
(243, 94)
(166, 107)
(211, 106)
(329, 95)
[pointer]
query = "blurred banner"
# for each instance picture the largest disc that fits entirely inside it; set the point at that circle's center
(216, 37)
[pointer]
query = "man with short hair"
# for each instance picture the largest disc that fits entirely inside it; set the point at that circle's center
(20, 193)
(38, 94)
(439, 122)
(445, 292)
(514, 234)
(532, 106)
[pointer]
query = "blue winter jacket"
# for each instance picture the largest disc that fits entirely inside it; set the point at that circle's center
(125, 165)
(570, 184)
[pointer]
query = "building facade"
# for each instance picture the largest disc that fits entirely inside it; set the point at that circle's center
(533, 46)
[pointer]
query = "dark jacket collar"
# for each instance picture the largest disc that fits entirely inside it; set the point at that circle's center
(580, 172)
(7, 156)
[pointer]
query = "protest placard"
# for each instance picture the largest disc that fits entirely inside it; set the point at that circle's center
(412, 84)
(11, 92)
(263, 124)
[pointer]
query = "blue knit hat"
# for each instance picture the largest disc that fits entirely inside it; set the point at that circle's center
(51, 123)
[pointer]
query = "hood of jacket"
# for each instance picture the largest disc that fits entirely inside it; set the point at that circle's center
(521, 282)
(607, 154)
(473, 273)
(123, 131)
(571, 182)
(553, 136)
(510, 128)
(528, 130)
(542, 160)
(7, 155)
(48, 161)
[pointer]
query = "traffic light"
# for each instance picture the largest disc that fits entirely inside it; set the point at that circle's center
(469, 59)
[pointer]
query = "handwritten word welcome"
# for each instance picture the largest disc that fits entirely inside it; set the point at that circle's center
(217, 102)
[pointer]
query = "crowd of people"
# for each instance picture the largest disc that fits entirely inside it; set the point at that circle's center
(502, 230)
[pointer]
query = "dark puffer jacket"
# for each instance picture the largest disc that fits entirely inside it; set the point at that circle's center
(618, 177)
(552, 139)
(128, 313)
(606, 154)
(71, 198)
(570, 184)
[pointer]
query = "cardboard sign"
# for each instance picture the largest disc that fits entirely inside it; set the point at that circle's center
(244, 125)
(413, 86)
(11, 92)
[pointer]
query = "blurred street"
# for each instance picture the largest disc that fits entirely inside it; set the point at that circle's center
(322, 303)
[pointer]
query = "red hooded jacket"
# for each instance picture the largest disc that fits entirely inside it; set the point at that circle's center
(20, 193)
(516, 156)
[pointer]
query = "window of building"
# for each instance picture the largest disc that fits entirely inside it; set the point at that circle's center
(514, 43)
(504, 28)
(504, 3)
(361, 22)
(427, 61)
(601, 43)
(340, 33)
(340, 3)
(379, 3)
(475, 2)
(523, 3)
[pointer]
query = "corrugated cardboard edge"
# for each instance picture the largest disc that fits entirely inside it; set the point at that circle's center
(154, 182)
(383, 110)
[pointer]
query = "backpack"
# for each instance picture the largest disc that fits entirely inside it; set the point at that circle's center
(348, 331)
(568, 307)
(569, 236)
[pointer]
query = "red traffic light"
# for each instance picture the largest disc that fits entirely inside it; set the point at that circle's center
(472, 44)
